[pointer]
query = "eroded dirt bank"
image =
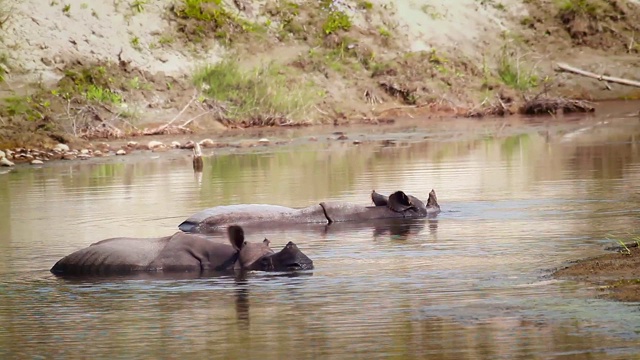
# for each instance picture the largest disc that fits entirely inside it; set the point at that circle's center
(78, 69)
(616, 274)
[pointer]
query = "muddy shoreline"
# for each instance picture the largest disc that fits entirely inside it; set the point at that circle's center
(614, 275)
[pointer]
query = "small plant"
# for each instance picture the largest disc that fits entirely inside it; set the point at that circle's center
(384, 32)
(365, 5)
(3, 66)
(337, 20)
(84, 6)
(135, 43)
(138, 5)
(166, 39)
(94, 13)
(101, 94)
(578, 7)
(66, 9)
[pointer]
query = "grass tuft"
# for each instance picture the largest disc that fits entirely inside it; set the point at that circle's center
(265, 91)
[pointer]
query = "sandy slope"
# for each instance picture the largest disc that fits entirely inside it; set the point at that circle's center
(41, 36)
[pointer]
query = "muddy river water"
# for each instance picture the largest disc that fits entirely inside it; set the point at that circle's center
(517, 203)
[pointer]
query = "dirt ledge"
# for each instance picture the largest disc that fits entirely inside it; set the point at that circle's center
(616, 274)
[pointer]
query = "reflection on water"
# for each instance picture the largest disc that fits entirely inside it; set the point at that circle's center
(472, 283)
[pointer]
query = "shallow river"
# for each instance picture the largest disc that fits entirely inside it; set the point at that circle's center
(472, 283)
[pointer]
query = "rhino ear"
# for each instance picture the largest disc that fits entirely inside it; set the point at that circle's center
(378, 199)
(399, 201)
(433, 200)
(236, 236)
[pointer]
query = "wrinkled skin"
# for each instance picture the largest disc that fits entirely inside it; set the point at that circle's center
(180, 253)
(397, 205)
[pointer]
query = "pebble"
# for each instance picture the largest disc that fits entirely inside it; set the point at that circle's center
(37, 162)
(121, 152)
(68, 156)
(264, 141)
(84, 151)
(84, 156)
(132, 144)
(97, 153)
(154, 144)
(61, 147)
(175, 144)
(5, 162)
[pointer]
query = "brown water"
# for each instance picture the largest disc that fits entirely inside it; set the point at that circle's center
(472, 283)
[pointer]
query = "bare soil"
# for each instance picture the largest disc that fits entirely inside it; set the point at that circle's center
(617, 274)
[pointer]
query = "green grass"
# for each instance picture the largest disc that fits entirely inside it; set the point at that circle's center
(102, 95)
(624, 249)
(578, 6)
(264, 91)
(212, 20)
(514, 73)
(138, 5)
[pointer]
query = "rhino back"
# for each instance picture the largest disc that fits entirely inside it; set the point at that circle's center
(218, 218)
(116, 255)
(193, 252)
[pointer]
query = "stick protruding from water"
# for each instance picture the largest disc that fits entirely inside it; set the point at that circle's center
(197, 158)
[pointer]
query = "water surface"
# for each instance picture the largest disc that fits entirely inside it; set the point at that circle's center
(472, 283)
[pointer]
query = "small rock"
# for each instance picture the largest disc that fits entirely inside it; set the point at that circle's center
(84, 151)
(343, 137)
(46, 61)
(132, 144)
(154, 144)
(356, 142)
(37, 162)
(121, 152)
(84, 156)
(206, 143)
(263, 141)
(68, 156)
(175, 145)
(61, 147)
(5, 162)
(2, 154)
(97, 153)
(189, 145)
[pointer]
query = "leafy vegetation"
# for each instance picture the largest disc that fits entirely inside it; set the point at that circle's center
(199, 18)
(337, 20)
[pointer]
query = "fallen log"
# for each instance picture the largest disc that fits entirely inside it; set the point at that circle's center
(571, 69)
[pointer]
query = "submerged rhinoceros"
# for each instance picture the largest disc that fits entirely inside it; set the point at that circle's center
(396, 205)
(180, 252)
